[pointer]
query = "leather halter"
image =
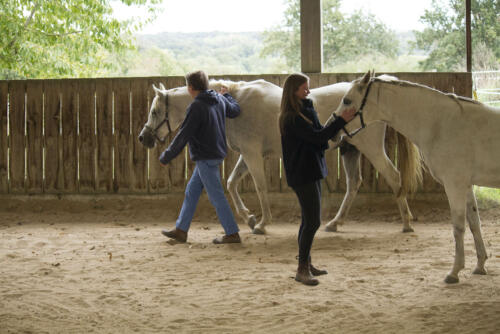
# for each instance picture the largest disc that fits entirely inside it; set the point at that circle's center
(155, 130)
(358, 113)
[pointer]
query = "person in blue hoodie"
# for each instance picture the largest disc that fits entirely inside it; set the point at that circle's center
(204, 129)
(303, 141)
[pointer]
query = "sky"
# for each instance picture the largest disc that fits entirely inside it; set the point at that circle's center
(258, 15)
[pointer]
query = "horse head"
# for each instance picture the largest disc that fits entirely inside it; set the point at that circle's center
(157, 126)
(357, 97)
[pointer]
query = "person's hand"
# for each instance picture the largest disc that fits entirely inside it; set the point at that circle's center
(348, 114)
(223, 90)
(163, 159)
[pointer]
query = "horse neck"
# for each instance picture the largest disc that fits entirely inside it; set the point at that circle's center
(408, 109)
(178, 101)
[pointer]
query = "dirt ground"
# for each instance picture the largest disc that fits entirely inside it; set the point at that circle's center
(102, 266)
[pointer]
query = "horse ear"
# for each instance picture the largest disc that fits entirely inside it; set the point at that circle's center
(366, 78)
(157, 90)
(162, 87)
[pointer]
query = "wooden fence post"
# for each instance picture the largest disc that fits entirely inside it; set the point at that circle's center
(4, 176)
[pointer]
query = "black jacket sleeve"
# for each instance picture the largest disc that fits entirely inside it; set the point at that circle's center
(306, 132)
(232, 107)
(188, 128)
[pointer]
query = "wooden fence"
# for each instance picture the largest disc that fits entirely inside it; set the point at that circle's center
(73, 136)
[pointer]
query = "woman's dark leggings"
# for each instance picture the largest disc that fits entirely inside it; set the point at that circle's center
(309, 196)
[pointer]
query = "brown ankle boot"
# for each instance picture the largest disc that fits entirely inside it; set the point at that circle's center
(175, 234)
(304, 275)
(315, 271)
(228, 239)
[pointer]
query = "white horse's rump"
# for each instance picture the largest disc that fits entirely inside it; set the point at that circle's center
(255, 134)
(459, 140)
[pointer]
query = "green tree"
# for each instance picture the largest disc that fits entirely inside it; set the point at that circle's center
(345, 38)
(62, 38)
(444, 38)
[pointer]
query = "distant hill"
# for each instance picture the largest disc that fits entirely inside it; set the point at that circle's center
(174, 53)
(231, 52)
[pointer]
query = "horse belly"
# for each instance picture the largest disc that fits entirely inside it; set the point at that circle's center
(486, 177)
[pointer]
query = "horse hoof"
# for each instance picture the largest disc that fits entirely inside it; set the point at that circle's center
(251, 221)
(479, 271)
(408, 229)
(451, 279)
(331, 228)
(259, 230)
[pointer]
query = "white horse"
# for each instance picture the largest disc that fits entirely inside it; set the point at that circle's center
(255, 135)
(458, 138)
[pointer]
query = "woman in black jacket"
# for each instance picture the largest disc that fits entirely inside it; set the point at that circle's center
(304, 141)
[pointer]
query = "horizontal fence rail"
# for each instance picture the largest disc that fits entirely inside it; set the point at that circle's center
(79, 136)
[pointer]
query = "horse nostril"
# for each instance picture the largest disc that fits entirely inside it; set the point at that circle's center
(141, 138)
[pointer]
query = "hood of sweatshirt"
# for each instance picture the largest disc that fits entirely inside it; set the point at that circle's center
(208, 96)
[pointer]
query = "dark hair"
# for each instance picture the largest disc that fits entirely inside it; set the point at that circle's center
(290, 103)
(198, 80)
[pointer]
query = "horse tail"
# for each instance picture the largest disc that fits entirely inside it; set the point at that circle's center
(410, 165)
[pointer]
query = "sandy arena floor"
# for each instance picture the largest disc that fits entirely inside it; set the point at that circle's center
(67, 267)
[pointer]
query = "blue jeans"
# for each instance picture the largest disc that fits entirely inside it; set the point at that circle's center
(206, 175)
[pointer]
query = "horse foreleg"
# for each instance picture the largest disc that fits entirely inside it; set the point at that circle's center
(352, 167)
(238, 173)
(386, 168)
(256, 168)
(475, 227)
(457, 200)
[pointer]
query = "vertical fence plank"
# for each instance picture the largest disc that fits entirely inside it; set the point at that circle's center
(139, 89)
(17, 138)
(123, 161)
(467, 85)
(69, 113)
(54, 181)
(34, 136)
(104, 140)
(4, 148)
(86, 135)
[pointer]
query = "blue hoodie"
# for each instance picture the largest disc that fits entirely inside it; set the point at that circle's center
(204, 128)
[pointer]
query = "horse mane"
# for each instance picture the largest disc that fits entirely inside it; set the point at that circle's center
(231, 85)
(384, 78)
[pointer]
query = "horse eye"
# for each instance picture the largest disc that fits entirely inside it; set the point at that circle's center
(347, 101)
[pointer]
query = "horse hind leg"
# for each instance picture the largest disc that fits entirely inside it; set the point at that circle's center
(457, 200)
(475, 227)
(351, 161)
(239, 172)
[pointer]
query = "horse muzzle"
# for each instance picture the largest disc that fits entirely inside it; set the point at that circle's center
(147, 138)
